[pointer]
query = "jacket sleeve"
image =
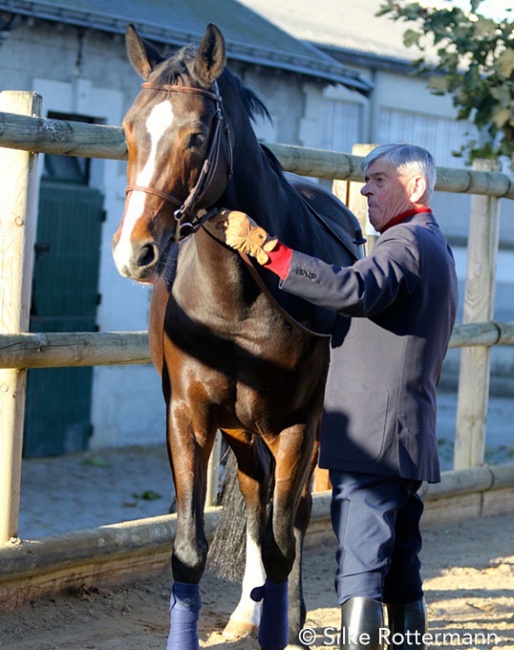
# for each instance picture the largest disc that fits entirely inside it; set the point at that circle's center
(366, 288)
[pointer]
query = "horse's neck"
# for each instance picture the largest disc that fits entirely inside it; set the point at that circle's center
(209, 274)
(259, 191)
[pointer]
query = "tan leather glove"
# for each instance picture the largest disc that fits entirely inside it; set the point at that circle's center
(241, 232)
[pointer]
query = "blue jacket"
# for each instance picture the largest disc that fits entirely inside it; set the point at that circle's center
(380, 401)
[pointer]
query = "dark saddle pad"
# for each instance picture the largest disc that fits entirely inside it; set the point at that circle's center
(339, 235)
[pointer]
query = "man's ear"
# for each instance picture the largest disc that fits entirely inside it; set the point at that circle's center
(417, 189)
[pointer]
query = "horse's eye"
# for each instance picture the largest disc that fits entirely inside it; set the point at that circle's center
(196, 141)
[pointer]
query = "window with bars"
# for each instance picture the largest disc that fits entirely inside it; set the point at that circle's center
(340, 125)
(442, 136)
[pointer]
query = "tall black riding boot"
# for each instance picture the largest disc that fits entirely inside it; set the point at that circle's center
(362, 624)
(407, 625)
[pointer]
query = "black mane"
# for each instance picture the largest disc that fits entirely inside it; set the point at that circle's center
(254, 106)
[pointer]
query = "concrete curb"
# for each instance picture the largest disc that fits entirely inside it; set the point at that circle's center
(125, 552)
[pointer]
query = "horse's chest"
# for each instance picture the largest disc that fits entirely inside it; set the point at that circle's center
(248, 369)
(240, 337)
(232, 341)
(223, 310)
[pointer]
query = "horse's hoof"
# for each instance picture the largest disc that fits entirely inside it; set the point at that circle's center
(239, 629)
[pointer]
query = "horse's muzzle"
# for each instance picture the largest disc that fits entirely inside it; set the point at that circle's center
(137, 261)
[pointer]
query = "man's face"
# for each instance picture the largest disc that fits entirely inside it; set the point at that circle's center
(389, 192)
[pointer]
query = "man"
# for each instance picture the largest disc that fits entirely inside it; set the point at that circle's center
(378, 434)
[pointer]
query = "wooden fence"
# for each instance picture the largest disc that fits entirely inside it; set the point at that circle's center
(23, 135)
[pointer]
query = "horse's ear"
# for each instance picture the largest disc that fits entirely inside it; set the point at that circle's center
(211, 59)
(143, 56)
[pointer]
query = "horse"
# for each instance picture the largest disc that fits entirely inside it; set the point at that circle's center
(233, 354)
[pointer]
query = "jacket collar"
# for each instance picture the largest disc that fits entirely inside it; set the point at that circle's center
(405, 216)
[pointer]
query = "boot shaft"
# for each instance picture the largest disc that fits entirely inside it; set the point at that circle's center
(407, 624)
(362, 624)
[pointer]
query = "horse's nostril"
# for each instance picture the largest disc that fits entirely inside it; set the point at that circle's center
(148, 255)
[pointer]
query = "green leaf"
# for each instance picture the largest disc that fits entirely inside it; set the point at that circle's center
(485, 27)
(147, 495)
(502, 117)
(413, 11)
(437, 84)
(410, 37)
(505, 62)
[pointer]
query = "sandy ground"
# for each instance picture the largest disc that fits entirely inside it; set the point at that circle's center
(469, 583)
(468, 568)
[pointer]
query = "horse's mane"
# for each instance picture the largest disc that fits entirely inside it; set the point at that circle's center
(253, 105)
(273, 161)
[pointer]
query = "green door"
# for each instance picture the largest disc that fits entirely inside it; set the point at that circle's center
(64, 299)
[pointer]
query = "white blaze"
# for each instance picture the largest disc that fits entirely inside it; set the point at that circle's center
(159, 120)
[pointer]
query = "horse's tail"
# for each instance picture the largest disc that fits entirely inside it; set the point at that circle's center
(227, 551)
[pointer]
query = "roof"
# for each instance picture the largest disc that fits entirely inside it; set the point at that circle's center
(335, 24)
(250, 37)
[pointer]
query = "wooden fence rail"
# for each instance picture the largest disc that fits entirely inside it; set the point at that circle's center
(20, 350)
(67, 349)
(44, 135)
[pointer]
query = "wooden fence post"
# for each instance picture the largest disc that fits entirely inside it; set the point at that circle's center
(18, 183)
(473, 394)
(350, 193)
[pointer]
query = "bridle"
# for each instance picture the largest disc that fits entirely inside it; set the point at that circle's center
(212, 179)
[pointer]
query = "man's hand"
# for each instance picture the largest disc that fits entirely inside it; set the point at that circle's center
(241, 232)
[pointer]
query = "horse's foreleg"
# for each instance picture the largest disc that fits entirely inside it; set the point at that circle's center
(189, 454)
(293, 451)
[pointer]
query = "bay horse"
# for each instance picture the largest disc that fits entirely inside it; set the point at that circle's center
(229, 355)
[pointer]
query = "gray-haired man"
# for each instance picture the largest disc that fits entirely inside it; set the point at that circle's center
(378, 435)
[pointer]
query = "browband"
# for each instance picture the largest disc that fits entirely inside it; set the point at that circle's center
(182, 89)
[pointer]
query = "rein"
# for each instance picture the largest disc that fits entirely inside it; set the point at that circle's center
(206, 189)
(263, 287)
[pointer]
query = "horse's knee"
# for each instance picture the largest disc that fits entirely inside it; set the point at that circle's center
(278, 555)
(188, 560)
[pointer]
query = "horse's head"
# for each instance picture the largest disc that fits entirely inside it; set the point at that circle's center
(179, 150)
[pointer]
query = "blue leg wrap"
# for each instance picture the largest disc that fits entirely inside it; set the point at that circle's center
(273, 629)
(185, 606)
